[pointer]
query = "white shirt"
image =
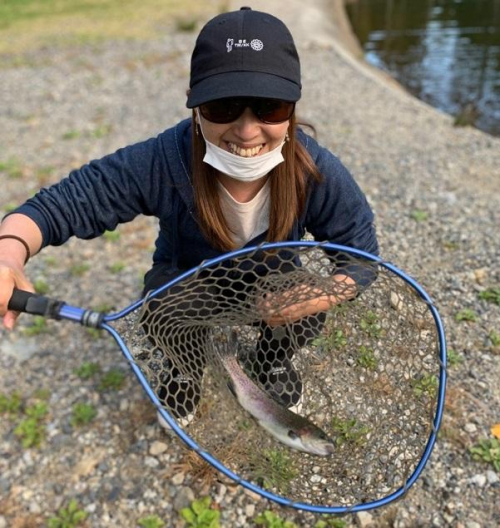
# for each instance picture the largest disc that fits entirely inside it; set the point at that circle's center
(246, 220)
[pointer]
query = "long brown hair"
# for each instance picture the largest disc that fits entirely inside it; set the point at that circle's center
(288, 191)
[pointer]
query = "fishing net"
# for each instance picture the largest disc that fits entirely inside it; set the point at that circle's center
(365, 370)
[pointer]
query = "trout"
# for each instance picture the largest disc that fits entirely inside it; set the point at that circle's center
(288, 427)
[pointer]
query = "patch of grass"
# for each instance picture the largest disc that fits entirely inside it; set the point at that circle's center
(114, 379)
(426, 385)
(117, 267)
(274, 470)
(71, 134)
(101, 131)
(186, 25)
(370, 325)
(87, 370)
(31, 430)
(43, 174)
(70, 516)
(419, 215)
(332, 340)
(494, 338)
(41, 286)
(366, 358)
(111, 236)
(331, 522)
(83, 414)
(268, 519)
(487, 450)
(491, 295)
(466, 314)
(201, 515)
(453, 358)
(50, 260)
(151, 521)
(10, 404)
(349, 431)
(95, 333)
(77, 270)
(12, 167)
(39, 326)
(10, 206)
(450, 245)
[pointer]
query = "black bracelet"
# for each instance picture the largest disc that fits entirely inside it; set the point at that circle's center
(23, 242)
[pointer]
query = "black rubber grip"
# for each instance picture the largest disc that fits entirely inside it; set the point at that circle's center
(20, 299)
(34, 304)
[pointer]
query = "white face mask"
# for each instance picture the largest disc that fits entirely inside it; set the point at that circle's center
(238, 167)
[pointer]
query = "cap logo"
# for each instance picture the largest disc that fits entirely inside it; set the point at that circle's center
(255, 44)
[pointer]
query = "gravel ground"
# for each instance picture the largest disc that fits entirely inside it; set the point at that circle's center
(435, 191)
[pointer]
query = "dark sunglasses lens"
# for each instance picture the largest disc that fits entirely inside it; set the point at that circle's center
(273, 110)
(222, 110)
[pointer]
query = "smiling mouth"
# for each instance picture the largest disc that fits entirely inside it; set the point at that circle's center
(245, 152)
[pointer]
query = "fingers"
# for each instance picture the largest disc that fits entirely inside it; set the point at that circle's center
(11, 277)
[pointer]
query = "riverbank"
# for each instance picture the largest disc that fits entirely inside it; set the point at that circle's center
(434, 189)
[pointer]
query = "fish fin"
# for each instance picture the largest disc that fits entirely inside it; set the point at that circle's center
(230, 386)
(292, 434)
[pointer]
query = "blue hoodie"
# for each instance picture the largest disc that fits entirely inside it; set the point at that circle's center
(153, 178)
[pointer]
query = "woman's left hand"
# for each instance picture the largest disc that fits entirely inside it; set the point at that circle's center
(280, 308)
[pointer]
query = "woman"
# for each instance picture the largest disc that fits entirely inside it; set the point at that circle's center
(239, 172)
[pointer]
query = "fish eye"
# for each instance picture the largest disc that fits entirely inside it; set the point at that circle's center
(293, 435)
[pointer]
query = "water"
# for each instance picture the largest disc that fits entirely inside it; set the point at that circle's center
(446, 52)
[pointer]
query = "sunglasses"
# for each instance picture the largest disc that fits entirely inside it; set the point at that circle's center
(269, 111)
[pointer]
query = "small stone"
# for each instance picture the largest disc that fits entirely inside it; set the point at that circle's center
(472, 524)
(478, 480)
(470, 428)
(151, 462)
(3, 522)
(364, 519)
(480, 275)
(178, 479)
(157, 448)
(183, 499)
(492, 477)
(250, 510)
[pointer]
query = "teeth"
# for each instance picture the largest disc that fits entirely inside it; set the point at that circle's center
(245, 153)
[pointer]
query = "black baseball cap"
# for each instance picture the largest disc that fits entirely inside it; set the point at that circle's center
(244, 53)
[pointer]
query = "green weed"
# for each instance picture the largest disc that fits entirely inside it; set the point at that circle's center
(186, 24)
(331, 523)
(114, 379)
(466, 314)
(268, 519)
(491, 295)
(10, 206)
(151, 521)
(494, 338)
(83, 414)
(77, 270)
(366, 358)
(38, 326)
(419, 215)
(331, 341)
(68, 517)
(71, 134)
(10, 404)
(488, 450)
(201, 515)
(12, 167)
(274, 470)
(111, 236)
(87, 370)
(349, 431)
(117, 267)
(101, 131)
(426, 385)
(41, 286)
(31, 430)
(370, 325)
(453, 358)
